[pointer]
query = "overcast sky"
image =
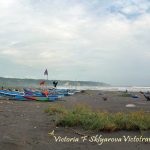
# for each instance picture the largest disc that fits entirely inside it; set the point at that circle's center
(94, 40)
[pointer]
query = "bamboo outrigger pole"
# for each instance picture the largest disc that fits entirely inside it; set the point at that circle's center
(46, 73)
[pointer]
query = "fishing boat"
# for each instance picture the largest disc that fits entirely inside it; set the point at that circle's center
(18, 98)
(37, 95)
(40, 98)
(36, 98)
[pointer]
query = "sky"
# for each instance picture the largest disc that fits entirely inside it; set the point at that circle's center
(91, 40)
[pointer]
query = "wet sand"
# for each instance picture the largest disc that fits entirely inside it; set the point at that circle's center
(25, 126)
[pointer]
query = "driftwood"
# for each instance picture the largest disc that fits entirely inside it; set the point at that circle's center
(147, 97)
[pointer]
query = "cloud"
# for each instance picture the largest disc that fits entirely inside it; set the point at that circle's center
(99, 40)
(131, 9)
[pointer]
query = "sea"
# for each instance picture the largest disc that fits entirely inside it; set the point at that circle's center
(109, 88)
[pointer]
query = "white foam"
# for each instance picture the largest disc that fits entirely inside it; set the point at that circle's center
(110, 88)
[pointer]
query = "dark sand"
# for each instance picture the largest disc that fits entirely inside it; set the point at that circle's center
(25, 126)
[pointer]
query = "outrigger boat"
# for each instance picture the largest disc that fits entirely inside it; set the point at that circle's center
(30, 95)
(37, 95)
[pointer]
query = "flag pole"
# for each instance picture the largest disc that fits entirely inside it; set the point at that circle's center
(46, 73)
(47, 81)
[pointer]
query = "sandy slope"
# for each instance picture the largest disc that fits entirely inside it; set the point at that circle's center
(25, 126)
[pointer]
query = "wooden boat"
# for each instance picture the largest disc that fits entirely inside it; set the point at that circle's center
(18, 98)
(36, 98)
(31, 95)
(40, 98)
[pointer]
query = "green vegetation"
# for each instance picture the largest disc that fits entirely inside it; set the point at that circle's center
(85, 117)
(125, 95)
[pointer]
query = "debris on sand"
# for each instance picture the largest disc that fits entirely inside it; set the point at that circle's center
(130, 105)
(105, 98)
(83, 91)
(100, 94)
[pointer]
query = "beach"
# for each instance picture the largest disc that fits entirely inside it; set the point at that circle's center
(24, 124)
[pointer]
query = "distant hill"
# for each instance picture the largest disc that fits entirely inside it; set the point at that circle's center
(16, 82)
